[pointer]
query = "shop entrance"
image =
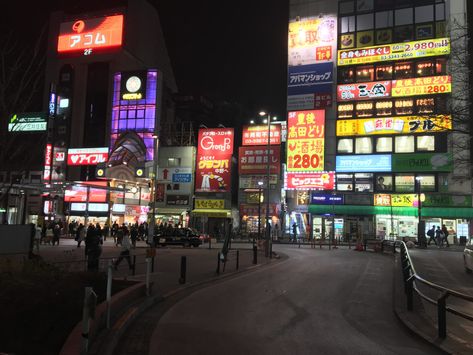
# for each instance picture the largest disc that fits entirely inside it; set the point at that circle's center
(322, 228)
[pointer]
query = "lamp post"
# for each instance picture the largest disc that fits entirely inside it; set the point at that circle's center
(154, 179)
(260, 187)
(268, 249)
(420, 224)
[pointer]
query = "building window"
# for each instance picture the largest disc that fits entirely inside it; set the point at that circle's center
(364, 109)
(404, 183)
(345, 146)
(364, 5)
(345, 110)
(404, 33)
(346, 75)
(426, 143)
(172, 162)
(347, 24)
(363, 145)
(425, 30)
(404, 144)
(425, 106)
(384, 108)
(404, 16)
(425, 68)
(384, 72)
(364, 22)
(440, 12)
(364, 182)
(403, 70)
(427, 183)
(344, 182)
(365, 74)
(384, 19)
(384, 182)
(384, 145)
(424, 13)
(404, 107)
(346, 7)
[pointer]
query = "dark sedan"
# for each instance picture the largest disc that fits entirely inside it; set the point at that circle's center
(178, 236)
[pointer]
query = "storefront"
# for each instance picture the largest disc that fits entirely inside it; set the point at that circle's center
(88, 213)
(173, 216)
(253, 220)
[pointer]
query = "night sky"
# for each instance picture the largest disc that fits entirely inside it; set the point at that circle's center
(234, 51)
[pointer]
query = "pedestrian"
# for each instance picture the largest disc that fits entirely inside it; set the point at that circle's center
(114, 232)
(99, 232)
(431, 234)
(49, 234)
(93, 250)
(118, 236)
(445, 235)
(80, 234)
(106, 230)
(294, 232)
(125, 252)
(37, 237)
(438, 236)
(56, 233)
(133, 235)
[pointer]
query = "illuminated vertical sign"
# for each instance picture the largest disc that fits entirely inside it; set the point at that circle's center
(305, 141)
(47, 162)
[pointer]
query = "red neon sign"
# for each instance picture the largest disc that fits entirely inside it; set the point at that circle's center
(102, 32)
(310, 181)
(87, 156)
(47, 162)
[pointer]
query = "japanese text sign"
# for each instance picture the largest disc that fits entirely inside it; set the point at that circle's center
(396, 200)
(213, 173)
(210, 204)
(393, 125)
(87, 34)
(360, 91)
(310, 181)
(308, 79)
(395, 51)
(363, 163)
(254, 210)
(87, 156)
(305, 140)
(28, 122)
(255, 160)
(215, 141)
(47, 162)
(422, 86)
(258, 135)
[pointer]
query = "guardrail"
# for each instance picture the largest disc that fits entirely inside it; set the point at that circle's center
(411, 278)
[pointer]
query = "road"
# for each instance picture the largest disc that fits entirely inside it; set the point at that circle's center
(314, 302)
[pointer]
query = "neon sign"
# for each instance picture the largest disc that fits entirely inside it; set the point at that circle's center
(87, 156)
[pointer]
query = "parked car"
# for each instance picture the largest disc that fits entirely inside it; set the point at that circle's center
(178, 236)
(468, 256)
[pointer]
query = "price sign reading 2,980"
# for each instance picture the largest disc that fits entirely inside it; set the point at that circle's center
(305, 140)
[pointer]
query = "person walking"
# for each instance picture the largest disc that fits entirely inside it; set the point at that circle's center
(431, 234)
(294, 232)
(99, 232)
(93, 250)
(133, 235)
(106, 231)
(80, 234)
(125, 252)
(114, 232)
(445, 235)
(56, 233)
(37, 237)
(438, 236)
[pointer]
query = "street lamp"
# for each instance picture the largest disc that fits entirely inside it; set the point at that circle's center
(420, 224)
(154, 179)
(268, 248)
(260, 187)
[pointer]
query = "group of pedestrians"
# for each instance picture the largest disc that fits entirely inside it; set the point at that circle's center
(438, 235)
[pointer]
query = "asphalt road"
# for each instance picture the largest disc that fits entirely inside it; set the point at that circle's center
(315, 302)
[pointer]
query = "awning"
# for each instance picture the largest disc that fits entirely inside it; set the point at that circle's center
(356, 210)
(212, 213)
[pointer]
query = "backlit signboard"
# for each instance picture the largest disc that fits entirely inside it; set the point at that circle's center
(326, 199)
(254, 160)
(395, 51)
(428, 162)
(258, 134)
(254, 181)
(78, 193)
(393, 125)
(48, 159)
(28, 122)
(87, 156)
(85, 35)
(309, 101)
(362, 91)
(429, 85)
(309, 181)
(396, 200)
(363, 163)
(210, 204)
(312, 78)
(133, 85)
(305, 141)
(215, 141)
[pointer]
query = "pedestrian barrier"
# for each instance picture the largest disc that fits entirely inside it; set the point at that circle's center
(411, 282)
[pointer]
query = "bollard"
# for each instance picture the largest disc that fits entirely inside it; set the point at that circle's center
(182, 279)
(255, 255)
(218, 263)
(148, 267)
(237, 259)
(442, 315)
(134, 265)
(109, 291)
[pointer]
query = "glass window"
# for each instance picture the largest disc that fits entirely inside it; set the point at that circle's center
(425, 68)
(404, 107)
(440, 12)
(403, 70)
(345, 110)
(404, 183)
(404, 144)
(404, 33)
(345, 145)
(344, 182)
(347, 24)
(424, 106)
(364, 22)
(384, 182)
(427, 182)
(346, 7)
(441, 66)
(364, 109)
(346, 75)
(384, 145)
(384, 36)
(384, 19)
(364, 5)
(425, 30)
(384, 108)
(426, 143)
(384, 72)
(174, 162)
(365, 74)
(364, 182)
(404, 16)
(363, 145)
(424, 13)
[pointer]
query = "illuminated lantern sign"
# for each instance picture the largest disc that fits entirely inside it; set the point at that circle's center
(87, 156)
(395, 51)
(422, 86)
(305, 140)
(310, 181)
(89, 34)
(360, 91)
(254, 160)
(258, 135)
(28, 122)
(393, 125)
(133, 86)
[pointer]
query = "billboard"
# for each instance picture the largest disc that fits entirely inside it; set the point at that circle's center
(78, 193)
(363, 163)
(310, 181)
(364, 91)
(396, 200)
(258, 134)
(211, 204)
(428, 162)
(252, 181)
(395, 51)
(85, 35)
(48, 159)
(326, 199)
(305, 141)
(87, 156)
(309, 101)
(312, 78)
(215, 141)
(133, 85)
(255, 160)
(393, 125)
(429, 85)
(312, 40)
(28, 122)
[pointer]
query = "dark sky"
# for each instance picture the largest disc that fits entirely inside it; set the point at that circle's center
(234, 51)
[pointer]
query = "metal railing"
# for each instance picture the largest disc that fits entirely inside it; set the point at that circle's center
(411, 278)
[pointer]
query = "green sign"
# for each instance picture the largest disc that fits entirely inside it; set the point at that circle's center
(443, 200)
(424, 162)
(28, 122)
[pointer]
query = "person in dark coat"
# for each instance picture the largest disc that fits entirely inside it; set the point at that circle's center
(92, 248)
(133, 235)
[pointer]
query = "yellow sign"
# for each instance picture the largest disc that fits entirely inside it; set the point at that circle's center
(396, 200)
(422, 86)
(393, 125)
(395, 51)
(210, 204)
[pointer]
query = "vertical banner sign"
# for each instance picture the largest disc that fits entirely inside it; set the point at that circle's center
(305, 141)
(214, 158)
(47, 162)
